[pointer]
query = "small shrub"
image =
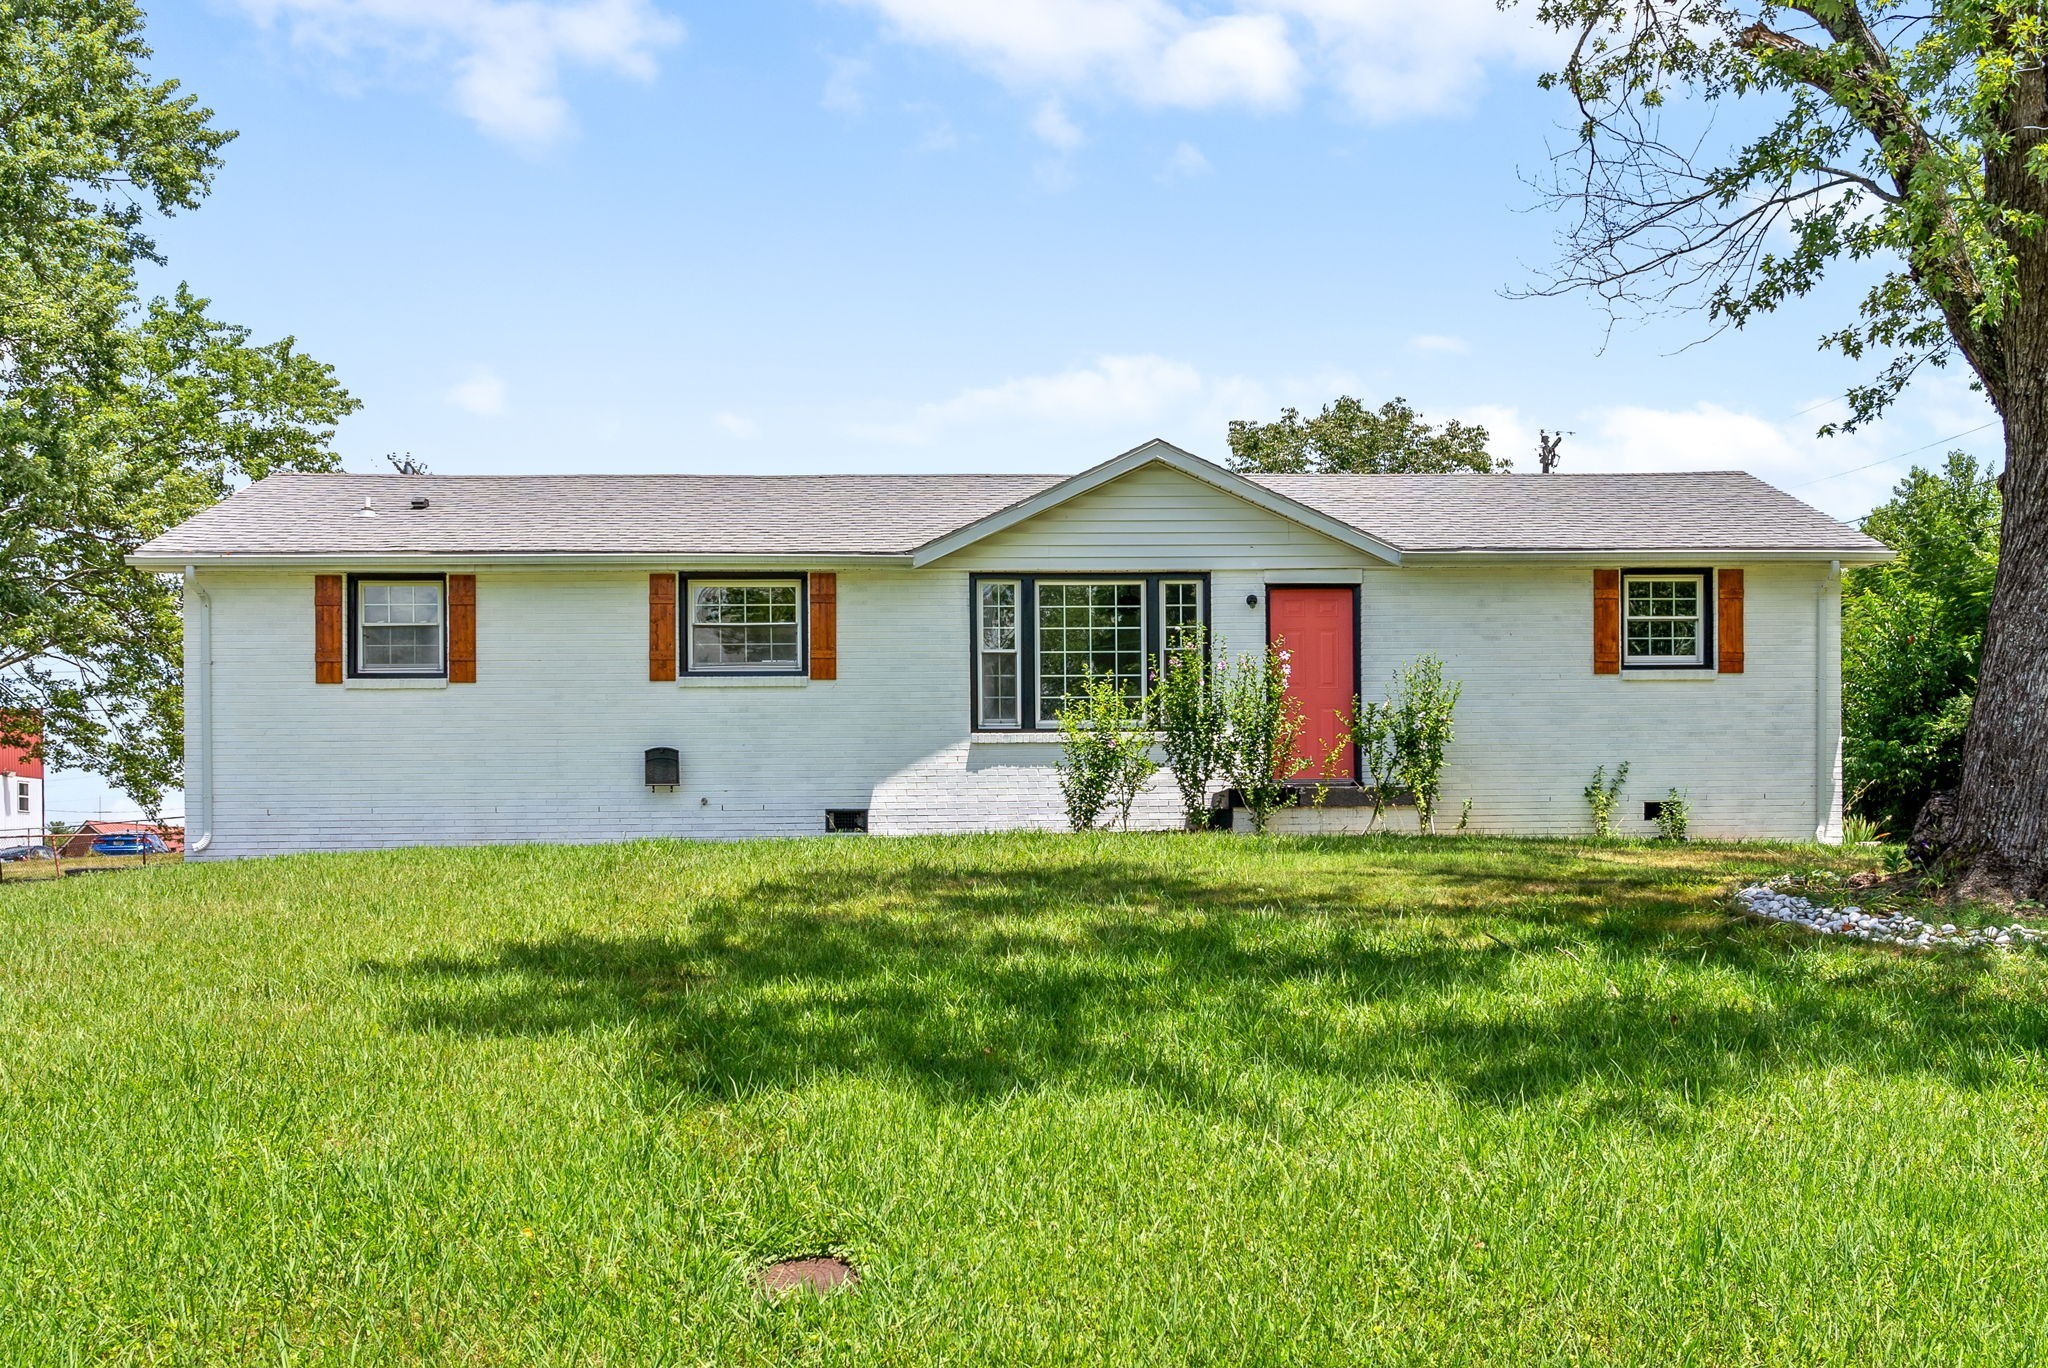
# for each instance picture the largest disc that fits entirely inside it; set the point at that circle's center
(1188, 710)
(1603, 796)
(1860, 830)
(1674, 815)
(1422, 702)
(1372, 731)
(1262, 725)
(1083, 769)
(1105, 753)
(1465, 815)
(1132, 768)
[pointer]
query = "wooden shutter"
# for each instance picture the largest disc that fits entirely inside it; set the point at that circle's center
(661, 627)
(1728, 622)
(327, 626)
(824, 626)
(462, 629)
(1607, 622)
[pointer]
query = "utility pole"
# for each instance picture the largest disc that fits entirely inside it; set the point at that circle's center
(1546, 450)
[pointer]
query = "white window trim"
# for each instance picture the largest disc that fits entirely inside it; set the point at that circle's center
(692, 584)
(1698, 659)
(438, 670)
(1015, 651)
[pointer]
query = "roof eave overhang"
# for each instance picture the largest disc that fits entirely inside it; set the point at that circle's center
(1155, 452)
(820, 560)
(1665, 556)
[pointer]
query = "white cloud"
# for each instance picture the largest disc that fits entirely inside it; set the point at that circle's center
(1393, 59)
(1442, 343)
(846, 86)
(1844, 475)
(736, 425)
(1235, 59)
(1054, 128)
(1186, 163)
(1388, 59)
(1113, 400)
(504, 59)
(481, 392)
(1113, 389)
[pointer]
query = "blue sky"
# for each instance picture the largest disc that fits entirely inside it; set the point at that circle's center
(885, 235)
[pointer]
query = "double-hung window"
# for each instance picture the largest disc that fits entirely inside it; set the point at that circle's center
(401, 626)
(1037, 639)
(21, 796)
(1665, 619)
(745, 626)
(999, 638)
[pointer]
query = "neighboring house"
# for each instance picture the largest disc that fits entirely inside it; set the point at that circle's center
(377, 660)
(79, 843)
(22, 814)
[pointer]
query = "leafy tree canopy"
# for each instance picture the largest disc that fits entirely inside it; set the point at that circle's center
(1913, 637)
(1893, 139)
(1732, 152)
(118, 417)
(1349, 438)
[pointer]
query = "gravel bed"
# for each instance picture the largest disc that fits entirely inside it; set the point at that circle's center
(1775, 905)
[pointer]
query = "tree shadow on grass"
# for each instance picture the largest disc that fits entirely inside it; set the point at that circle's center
(1623, 989)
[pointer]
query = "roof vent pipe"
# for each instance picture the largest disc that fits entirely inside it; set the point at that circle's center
(368, 510)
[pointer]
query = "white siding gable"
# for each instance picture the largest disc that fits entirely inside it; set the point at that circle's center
(1156, 518)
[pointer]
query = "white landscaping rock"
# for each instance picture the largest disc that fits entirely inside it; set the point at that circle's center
(1762, 900)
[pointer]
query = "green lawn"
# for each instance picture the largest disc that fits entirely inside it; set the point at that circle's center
(1146, 1099)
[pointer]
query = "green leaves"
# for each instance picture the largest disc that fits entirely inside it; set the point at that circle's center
(1105, 751)
(1187, 707)
(118, 420)
(1421, 702)
(1890, 133)
(1912, 636)
(1348, 438)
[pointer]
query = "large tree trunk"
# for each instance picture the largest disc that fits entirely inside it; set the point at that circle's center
(2000, 833)
(2001, 822)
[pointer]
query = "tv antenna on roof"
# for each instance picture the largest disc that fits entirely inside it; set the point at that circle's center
(407, 464)
(1546, 450)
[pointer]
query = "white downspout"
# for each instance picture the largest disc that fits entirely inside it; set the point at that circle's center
(199, 706)
(1827, 702)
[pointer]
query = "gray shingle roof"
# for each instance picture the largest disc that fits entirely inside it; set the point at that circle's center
(827, 515)
(1705, 510)
(656, 515)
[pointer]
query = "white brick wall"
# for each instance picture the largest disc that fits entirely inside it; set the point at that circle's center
(547, 744)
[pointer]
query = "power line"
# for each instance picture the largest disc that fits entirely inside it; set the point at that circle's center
(1899, 457)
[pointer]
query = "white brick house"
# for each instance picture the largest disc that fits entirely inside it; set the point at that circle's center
(377, 660)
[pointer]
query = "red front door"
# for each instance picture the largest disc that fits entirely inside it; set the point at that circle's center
(1318, 628)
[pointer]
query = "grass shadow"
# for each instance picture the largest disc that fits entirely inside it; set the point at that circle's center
(1508, 975)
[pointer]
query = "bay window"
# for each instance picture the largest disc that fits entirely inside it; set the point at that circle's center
(1036, 639)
